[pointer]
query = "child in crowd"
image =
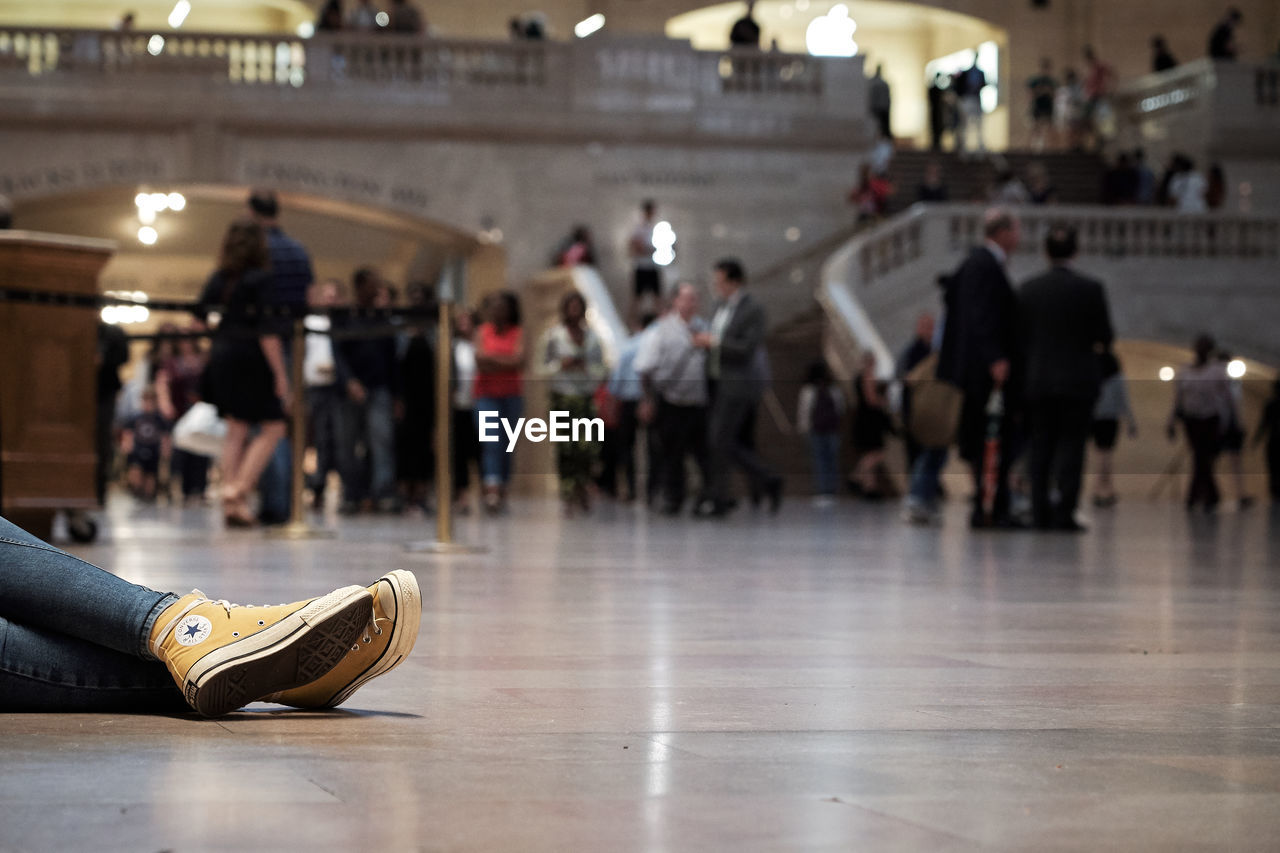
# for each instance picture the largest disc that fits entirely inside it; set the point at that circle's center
(145, 442)
(818, 416)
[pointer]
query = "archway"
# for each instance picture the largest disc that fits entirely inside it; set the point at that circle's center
(340, 236)
(909, 40)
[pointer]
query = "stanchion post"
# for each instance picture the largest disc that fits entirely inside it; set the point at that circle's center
(298, 528)
(444, 422)
(444, 543)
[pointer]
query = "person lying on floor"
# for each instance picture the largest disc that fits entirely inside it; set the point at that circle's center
(76, 638)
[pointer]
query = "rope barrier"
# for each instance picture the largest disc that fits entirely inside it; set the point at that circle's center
(395, 321)
(355, 333)
(274, 311)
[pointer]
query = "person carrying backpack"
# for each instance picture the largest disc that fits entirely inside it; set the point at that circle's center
(818, 415)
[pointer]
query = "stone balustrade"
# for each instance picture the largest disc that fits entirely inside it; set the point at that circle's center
(606, 87)
(1168, 274)
(1107, 232)
(1205, 108)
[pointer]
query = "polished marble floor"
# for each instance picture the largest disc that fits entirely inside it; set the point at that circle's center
(823, 680)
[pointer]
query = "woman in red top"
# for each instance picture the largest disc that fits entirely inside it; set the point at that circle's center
(500, 358)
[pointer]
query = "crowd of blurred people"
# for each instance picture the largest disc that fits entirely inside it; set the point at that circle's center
(1129, 180)
(686, 386)
(678, 403)
(1021, 380)
(689, 386)
(368, 391)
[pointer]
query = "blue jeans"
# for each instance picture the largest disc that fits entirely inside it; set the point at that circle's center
(74, 637)
(923, 491)
(825, 447)
(325, 404)
(276, 483)
(495, 461)
(373, 423)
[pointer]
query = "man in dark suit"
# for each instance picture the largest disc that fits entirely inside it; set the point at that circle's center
(979, 352)
(1065, 325)
(736, 335)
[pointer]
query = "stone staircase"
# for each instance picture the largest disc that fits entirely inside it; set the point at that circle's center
(1076, 176)
(793, 345)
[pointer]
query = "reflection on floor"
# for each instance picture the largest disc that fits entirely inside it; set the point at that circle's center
(822, 680)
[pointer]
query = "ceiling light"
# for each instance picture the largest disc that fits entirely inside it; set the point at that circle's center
(177, 201)
(179, 14)
(147, 235)
(122, 315)
(664, 242)
(588, 26)
(1166, 374)
(1236, 368)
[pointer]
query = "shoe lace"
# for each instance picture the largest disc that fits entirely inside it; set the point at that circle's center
(200, 599)
(371, 629)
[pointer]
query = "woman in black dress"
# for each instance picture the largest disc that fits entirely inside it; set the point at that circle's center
(246, 378)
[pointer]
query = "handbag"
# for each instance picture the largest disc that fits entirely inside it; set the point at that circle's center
(935, 406)
(200, 431)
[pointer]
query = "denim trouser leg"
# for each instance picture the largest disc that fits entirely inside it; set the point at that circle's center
(275, 486)
(275, 482)
(325, 406)
(69, 629)
(826, 461)
(380, 425)
(350, 424)
(43, 670)
(923, 491)
(512, 409)
(495, 461)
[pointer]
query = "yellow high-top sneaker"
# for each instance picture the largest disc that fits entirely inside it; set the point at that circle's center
(387, 640)
(224, 656)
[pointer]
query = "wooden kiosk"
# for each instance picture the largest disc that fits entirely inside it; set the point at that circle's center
(48, 378)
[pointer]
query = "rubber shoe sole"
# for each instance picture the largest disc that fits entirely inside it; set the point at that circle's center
(297, 650)
(404, 633)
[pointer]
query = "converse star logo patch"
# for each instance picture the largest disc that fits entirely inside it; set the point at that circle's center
(193, 629)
